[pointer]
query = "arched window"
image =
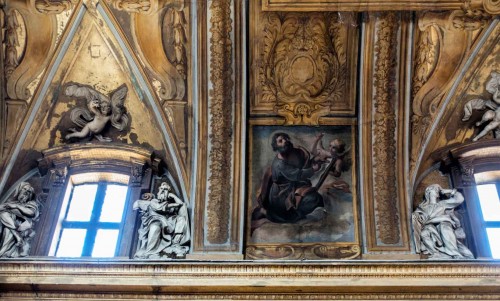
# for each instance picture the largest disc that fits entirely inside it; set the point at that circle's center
(91, 189)
(475, 169)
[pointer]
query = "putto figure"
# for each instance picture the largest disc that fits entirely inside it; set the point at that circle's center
(492, 114)
(436, 229)
(164, 231)
(100, 110)
(17, 218)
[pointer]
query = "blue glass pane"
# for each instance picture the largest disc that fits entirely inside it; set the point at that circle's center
(71, 243)
(105, 243)
(494, 240)
(81, 203)
(114, 203)
(490, 204)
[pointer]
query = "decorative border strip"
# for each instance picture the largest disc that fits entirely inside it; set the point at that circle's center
(221, 112)
(384, 130)
(255, 296)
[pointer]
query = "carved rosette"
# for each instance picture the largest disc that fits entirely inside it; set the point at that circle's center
(221, 106)
(384, 129)
(303, 70)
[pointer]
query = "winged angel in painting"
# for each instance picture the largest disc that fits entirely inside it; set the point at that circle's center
(100, 110)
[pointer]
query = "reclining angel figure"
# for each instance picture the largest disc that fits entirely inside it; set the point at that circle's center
(492, 115)
(100, 110)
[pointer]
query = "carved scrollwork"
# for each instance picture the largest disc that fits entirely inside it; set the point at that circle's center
(168, 66)
(174, 38)
(441, 49)
(299, 252)
(15, 41)
(426, 57)
(469, 19)
(133, 6)
(53, 7)
(28, 46)
(492, 6)
(302, 66)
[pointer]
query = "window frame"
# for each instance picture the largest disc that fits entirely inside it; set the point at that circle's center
(463, 163)
(93, 225)
(62, 164)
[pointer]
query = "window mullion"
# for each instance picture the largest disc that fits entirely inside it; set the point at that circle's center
(94, 220)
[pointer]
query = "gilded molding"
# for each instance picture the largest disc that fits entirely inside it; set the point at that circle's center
(301, 252)
(254, 296)
(33, 43)
(53, 7)
(304, 65)
(384, 129)
(475, 280)
(444, 44)
(490, 6)
(162, 64)
(220, 110)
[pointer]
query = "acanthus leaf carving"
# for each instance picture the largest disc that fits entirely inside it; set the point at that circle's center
(302, 66)
(221, 108)
(384, 130)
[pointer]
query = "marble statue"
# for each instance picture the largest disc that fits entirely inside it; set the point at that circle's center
(17, 218)
(492, 114)
(437, 231)
(164, 230)
(100, 110)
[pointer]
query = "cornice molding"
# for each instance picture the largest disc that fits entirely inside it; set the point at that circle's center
(452, 279)
(490, 6)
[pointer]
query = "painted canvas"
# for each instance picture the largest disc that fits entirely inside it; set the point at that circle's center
(302, 187)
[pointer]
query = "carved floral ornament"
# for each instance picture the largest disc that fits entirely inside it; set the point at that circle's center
(303, 66)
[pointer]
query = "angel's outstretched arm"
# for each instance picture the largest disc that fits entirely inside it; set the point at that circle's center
(318, 144)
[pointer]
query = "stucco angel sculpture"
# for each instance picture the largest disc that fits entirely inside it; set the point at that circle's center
(493, 114)
(437, 231)
(100, 110)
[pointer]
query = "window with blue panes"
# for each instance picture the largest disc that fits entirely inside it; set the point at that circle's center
(90, 220)
(489, 202)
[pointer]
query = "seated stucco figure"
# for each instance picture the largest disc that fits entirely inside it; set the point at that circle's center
(436, 229)
(17, 218)
(164, 231)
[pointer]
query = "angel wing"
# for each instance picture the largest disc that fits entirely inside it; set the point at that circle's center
(120, 118)
(81, 116)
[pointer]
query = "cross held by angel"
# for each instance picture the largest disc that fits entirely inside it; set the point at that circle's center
(100, 110)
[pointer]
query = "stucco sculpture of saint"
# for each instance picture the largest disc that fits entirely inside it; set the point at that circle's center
(100, 110)
(17, 218)
(492, 114)
(437, 231)
(164, 230)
